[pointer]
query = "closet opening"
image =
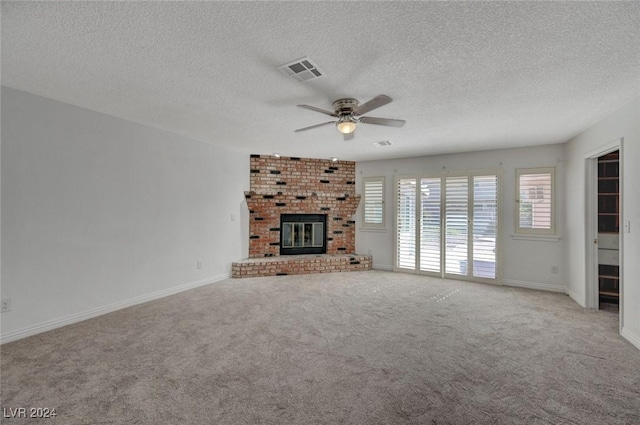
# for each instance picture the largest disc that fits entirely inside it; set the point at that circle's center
(609, 231)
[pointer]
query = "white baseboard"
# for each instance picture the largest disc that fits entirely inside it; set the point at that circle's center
(74, 318)
(384, 267)
(534, 285)
(574, 296)
(634, 339)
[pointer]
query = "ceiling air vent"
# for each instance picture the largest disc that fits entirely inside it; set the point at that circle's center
(302, 69)
(382, 143)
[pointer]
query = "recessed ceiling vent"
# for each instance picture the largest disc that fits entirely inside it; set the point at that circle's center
(383, 143)
(303, 69)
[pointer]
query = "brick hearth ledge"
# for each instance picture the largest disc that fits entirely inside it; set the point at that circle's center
(300, 264)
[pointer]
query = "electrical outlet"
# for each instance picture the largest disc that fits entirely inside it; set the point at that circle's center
(199, 265)
(6, 305)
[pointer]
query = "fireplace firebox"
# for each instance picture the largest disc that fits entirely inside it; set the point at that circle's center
(303, 234)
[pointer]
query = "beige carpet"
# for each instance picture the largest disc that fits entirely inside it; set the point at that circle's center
(345, 348)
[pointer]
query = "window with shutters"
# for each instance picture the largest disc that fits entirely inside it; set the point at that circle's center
(535, 197)
(447, 226)
(373, 201)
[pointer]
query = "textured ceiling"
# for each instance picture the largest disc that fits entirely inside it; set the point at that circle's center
(464, 75)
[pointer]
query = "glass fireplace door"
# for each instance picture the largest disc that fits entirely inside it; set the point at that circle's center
(303, 234)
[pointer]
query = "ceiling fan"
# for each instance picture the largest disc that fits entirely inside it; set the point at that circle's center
(349, 113)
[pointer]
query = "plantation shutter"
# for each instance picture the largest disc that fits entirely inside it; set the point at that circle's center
(485, 214)
(456, 224)
(535, 201)
(406, 224)
(373, 202)
(430, 227)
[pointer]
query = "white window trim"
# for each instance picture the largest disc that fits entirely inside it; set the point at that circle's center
(374, 227)
(523, 233)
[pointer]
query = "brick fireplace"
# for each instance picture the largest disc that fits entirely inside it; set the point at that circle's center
(300, 186)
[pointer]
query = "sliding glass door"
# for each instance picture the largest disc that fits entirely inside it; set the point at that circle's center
(448, 226)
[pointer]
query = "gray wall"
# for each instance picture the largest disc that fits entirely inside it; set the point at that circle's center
(99, 212)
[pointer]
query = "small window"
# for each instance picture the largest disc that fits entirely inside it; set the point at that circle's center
(373, 194)
(535, 199)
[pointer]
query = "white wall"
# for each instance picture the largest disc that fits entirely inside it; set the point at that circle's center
(98, 212)
(623, 123)
(526, 262)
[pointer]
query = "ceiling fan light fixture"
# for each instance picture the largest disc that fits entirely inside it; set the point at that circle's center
(349, 111)
(346, 125)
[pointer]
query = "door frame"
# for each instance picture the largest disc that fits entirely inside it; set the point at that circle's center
(591, 223)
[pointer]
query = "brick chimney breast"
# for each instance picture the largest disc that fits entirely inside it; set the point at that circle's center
(300, 186)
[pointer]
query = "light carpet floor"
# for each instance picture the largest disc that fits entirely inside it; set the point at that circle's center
(345, 348)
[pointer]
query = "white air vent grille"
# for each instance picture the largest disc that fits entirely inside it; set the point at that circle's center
(383, 143)
(303, 69)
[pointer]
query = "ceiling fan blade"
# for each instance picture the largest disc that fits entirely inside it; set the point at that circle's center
(382, 121)
(348, 136)
(374, 103)
(322, 111)
(314, 126)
